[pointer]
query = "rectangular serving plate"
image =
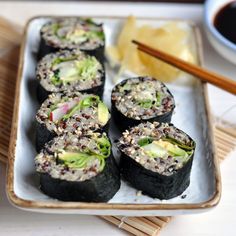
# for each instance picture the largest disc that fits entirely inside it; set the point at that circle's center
(192, 115)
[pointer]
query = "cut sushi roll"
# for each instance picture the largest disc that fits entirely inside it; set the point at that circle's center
(72, 33)
(141, 99)
(69, 71)
(157, 159)
(78, 168)
(70, 112)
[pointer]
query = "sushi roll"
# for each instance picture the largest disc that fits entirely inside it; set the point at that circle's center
(141, 99)
(78, 168)
(69, 71)
(157, 159)
(69, 113)
(72, 33)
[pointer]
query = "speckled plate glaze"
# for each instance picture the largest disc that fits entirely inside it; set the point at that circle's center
(191, 115)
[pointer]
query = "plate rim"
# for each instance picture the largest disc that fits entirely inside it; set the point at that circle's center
(30, 204)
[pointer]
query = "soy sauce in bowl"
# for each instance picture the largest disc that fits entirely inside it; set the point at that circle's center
(225, 21)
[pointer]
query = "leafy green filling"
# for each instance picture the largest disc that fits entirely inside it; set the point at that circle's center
(80, 160)
(90, 101)
(165, 147)
(56, 78)
(148, 103)
(85, 69)
(55, 28)
(145, 141)
(95, 34)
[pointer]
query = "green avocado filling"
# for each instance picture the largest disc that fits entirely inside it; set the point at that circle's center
(80, 160)
(68, 70)
(165, 147)
(90, 101)
(103, 113)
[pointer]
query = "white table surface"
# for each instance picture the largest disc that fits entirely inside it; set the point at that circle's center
(219, 221)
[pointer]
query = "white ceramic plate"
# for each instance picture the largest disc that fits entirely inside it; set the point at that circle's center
(191, 115)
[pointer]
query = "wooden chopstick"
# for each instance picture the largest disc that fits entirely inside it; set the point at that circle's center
(203, 74)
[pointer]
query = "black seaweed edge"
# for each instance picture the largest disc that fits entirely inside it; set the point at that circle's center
(100, 188)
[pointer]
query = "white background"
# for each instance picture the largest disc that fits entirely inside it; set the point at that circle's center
(219, 221)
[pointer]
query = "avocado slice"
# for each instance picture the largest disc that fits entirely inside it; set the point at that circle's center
(171, 148)
(79, 160)
(74, 159)
(163, 149)
(189, 147)
(103, 113)
(155, 150)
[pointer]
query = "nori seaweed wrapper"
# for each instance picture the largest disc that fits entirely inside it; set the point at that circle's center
(43, 135)
(152, 183)
(100, 188)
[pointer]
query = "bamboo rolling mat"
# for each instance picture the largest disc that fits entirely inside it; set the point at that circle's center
(9, 51)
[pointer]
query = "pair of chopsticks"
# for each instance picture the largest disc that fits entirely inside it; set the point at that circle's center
(203, 74)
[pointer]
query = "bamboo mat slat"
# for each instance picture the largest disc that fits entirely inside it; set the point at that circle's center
(9, 51)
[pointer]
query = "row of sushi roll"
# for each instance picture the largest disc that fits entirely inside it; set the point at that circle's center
(75, 159)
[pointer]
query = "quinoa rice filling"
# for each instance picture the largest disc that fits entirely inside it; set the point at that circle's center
(160, 148)
(142, 98)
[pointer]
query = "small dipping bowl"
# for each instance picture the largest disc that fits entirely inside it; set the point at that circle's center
(221, 44)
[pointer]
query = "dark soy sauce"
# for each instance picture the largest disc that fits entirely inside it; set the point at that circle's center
(225, 21)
